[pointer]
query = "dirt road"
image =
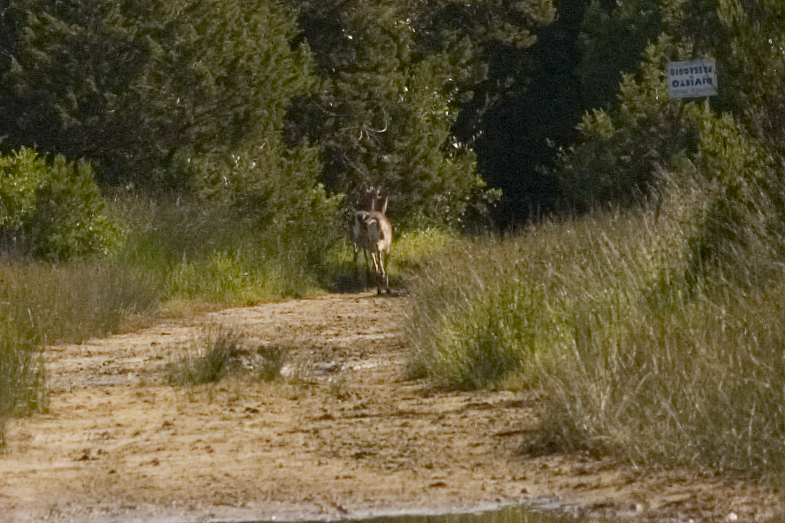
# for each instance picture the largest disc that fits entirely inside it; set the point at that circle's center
(340, 433)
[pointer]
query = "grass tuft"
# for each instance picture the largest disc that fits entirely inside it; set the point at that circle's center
(208, 359)
(22, 378)
(222, 351)
(272, 362)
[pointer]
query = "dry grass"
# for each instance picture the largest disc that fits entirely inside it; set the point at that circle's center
(42, 303)
(634, 351)
(221, 351)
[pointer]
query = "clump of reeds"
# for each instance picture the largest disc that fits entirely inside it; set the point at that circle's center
(22, 377)
(208, 359)
(51, 302)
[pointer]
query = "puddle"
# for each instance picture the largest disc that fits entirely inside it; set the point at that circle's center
(507, 514)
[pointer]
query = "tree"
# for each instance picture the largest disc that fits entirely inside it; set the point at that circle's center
(732, 143)
(503, 91)
(140, 88)
(381, 114)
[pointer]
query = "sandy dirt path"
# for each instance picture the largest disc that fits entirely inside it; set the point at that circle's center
(340, 433)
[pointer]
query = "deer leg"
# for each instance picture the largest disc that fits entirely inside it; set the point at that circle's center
(381, 277)
(367, 268)
(384, 259)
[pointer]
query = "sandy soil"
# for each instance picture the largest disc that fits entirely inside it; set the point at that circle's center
(340, 433)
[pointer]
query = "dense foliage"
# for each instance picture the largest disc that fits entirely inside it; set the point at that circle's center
(52, 210)
(645, 144)
(438, 100)
(140, 87)
(381, 113)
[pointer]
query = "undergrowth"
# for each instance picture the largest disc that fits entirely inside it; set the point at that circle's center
(212, 254)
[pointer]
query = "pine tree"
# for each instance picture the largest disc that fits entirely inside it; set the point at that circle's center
(381, 115)
(141, 87)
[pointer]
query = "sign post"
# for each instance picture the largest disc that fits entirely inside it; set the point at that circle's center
(691, 79)
(688, 79)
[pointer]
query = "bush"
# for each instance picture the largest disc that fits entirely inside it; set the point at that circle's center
(213, 251)
(698, 383)
(52, 211)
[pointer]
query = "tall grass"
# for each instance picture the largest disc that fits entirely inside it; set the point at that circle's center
(22, 376)
(634, 350)
(49, 302)
(196, 252)
(43, 303)
(508, 305)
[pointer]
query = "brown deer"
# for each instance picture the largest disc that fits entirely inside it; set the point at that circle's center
(359, 235)
(372, 232)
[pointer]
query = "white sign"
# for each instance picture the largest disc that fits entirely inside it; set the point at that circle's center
(692, 79)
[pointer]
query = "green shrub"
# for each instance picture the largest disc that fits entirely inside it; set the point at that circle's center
(214, 251)
(52, 211)
(485, 311)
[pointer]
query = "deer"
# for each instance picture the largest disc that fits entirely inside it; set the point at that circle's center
(358, 237)
(372, 231)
